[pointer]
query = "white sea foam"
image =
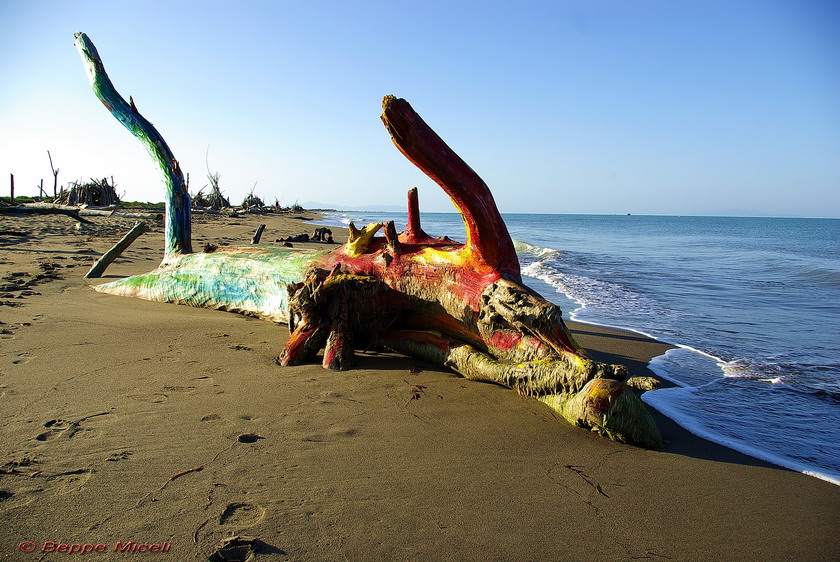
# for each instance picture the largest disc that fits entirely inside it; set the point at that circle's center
(525, 249)
(333, 219)
(679, 404)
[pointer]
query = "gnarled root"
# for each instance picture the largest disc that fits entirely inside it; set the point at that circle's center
(576, 388)
(335, 311)
(339, 312)
(610, 408)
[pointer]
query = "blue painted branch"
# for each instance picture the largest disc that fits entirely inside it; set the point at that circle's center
(178, 227)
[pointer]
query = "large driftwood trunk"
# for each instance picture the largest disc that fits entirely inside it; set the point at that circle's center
(44, 210)
(462, 305)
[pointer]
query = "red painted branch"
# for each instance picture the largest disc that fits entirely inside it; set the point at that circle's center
(487, 235)
(413, 231)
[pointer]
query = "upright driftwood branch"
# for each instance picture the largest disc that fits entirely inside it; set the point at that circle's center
(258, 234)
(178, 227)
(55, 175)
(487, 235)
(413, 231)
(108, 257)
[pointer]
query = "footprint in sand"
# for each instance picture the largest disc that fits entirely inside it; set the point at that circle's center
(178, 388)
(162, 395)
(20, 493)
(331, 397)
(69, 429)
(241, 515)
(70, 481)
(23, 358)
(26, 488)
(331, 436)
(119, 456)
(55, 428)
(345, 432)
(154, 398)
(7, 331)
(21, 484)
(240, 548)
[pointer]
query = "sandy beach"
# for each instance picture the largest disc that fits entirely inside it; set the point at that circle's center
(161, 425)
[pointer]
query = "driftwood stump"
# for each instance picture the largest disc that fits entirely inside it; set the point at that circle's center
(461, 305)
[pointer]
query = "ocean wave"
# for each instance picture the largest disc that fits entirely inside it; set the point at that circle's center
(526, 250)
(601, 300)
(561, 282)
(810, 377)
(821, 276)
(687, 367)
(333, 219)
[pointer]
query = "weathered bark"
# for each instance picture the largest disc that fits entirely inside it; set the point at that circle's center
(585, 398)
(85, 212)
(258, 234)
(21, 210)
(487, 236)
(459, 305)
(108, 257)
(97, 212)
(178, 226)
(413, 230)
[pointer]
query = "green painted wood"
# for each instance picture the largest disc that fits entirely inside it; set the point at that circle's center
(249, 280)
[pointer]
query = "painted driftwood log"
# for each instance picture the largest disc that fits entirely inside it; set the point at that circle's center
(463, 306)
(178, 235)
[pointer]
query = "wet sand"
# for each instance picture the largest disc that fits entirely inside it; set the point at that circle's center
(127, 420)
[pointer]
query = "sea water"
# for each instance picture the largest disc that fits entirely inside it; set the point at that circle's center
(752, 304)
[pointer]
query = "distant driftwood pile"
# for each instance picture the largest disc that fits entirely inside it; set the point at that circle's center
(93, 193)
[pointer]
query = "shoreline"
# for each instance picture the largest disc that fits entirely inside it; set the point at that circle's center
(794, 454)
(106, 399)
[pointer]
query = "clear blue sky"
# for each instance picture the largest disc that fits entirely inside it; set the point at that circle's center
(659, 107)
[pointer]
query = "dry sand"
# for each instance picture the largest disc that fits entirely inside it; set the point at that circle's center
(126, 420)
